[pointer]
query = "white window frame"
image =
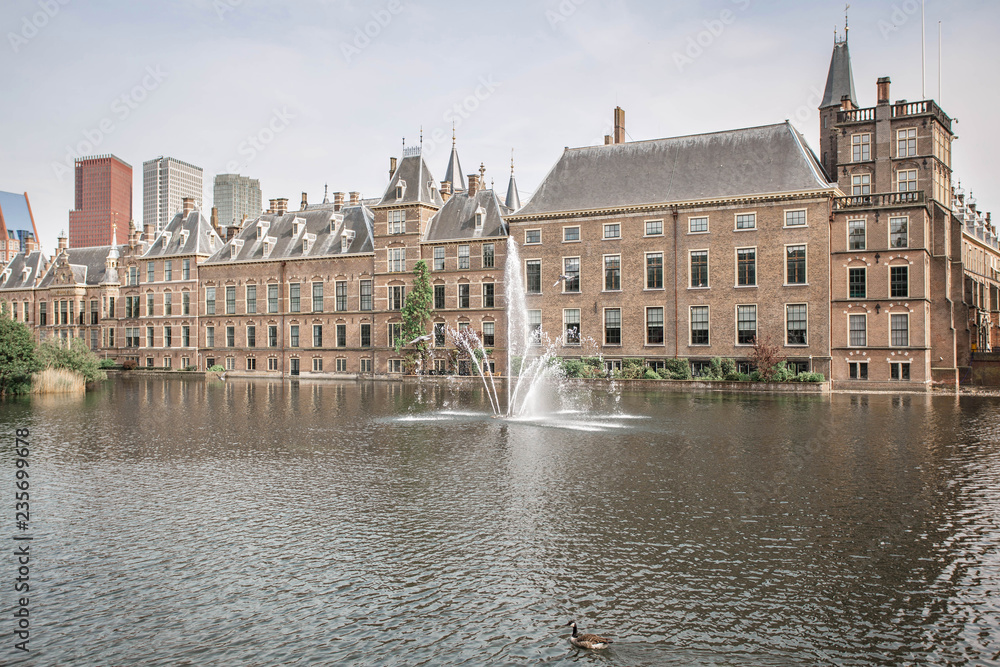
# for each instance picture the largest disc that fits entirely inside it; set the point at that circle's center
(529, 231)
(805, 217)
(645, 272)
(889, 232)
(692, 218)
(708, 262)
(604, 327)
(604, 272)
(907, 316)
(864, 227)
(785, 262)
(663, 325)
(888, 279)
(609, 225)
(578, 235)
(736, 218)
(862, 185)
(645, 228)
(579, 323)
(736, 323)
(736, 266)
(900, 138)
(799, 345)
(852, 315)
(859, 141)
(851, 268)
(691, 342)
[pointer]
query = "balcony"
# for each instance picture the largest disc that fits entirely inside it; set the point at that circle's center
(901, 110)
(883, 200)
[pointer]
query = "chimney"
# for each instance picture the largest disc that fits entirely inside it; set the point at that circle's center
(473, 184)
(338, 201)
(29, 243)
(392, 167)
(608, 140)
(282, 205)
(215, 218)
(619, 125)
(305, 202)
(355, 199)
(188, 203)
(845, 103)
(446, 190)
(149, 231)
(882, 86)
(271, 206)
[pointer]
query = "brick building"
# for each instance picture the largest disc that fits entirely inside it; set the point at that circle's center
(103, 201)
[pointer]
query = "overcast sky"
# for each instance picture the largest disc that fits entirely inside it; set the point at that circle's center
(303, 93)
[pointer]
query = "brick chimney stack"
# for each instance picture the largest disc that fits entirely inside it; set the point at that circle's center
(62, 242)
(473, 184)
(281, 205)
(355, 199)
(188, 204)
(845, 103)
(29, 245)
(619, 125)
(392, 167)
(338, 201)
(305, 202)
(446, 190)
(882, 87)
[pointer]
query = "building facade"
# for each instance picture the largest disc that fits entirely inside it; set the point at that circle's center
(17, 226)
(166, 181)
(236, 198)
(103, 201)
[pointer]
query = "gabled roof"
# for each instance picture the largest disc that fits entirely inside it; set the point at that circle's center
(14, 270)
(324, 227)
(454, 174)
(89, 264)
(755, 161)
(201, 237)
(840, 79)
(412, 170)
(457, 218)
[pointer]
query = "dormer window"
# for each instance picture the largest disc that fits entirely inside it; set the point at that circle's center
(268, 245)
(480, 218)
(235, 248)
(184, 237)
(298, 226)
(166, 238)
(400, 189)
(262, 228)
(346, 240)
(307, 243)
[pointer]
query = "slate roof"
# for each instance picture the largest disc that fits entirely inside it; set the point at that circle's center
(738, 163)
(840, 79)
(201, 238)
(289, 245)
(13, 273)
(413, 170)
(513, 201)
(457, 218)
(454, 173)
(88, 264)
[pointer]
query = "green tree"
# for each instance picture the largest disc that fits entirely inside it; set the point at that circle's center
(72, 355)
(417, 309)
(17, 357)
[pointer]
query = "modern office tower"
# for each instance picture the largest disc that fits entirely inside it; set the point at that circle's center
(236, 198)
(103, 201)
(166, 181)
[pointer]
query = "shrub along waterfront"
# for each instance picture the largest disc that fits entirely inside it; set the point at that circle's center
(23, 363)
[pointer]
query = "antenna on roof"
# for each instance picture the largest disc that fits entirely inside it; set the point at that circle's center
(923, 53)
(846, 26)
(421, 136)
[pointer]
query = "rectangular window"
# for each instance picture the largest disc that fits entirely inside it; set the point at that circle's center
(746, 267)
(317, 297)
(366, 365)
(532, 236)
(533, 276)
(795, 265)
(463, 295)
(94, 312)
(168, 304)
(699, 325)
(899, 282)
(463, 258)
(612, 273)
(571, 234)
(251, 364)
(898, 237)
(571, 271)
(186, 269)
(340, 289)
(861, 184)
(535, 326)
(439, 297)
(366, 295)
(133, 275)
(858, 331)
(397, 297)
(342, 365)
(294, 298)
(395, 333)
(209, 300)
(293, 331)
(230, 300)
(654, 326)
(613, 231)
(168, 337)
(654, 228)
(856, 235)
(861, 147)
(42, 314)
(272, 363)
(899, 371)
(906, 142)
(439, 258)
(251, 336)
(795, 323)
(230, 336)
(900, 330)
(698, 225)
(251, 299)
(746, 324)
(906, 180)
(857, 283)
(654, 270)
(150, 305)
(272, 336)
(366, 335)
(272, 298)
(858, 370)
(612, 326)
(397, 260)
(185, 303)
(318, 334)
(746, 221)
(699, 268)
(168, 270)
(489, 255)
(150, 273)
(209, 336)
(317, 365)
(397, 222)
(795, 218)
(571, 326)
(488, 295)
(149, 337)
(489, 334)
(439, 334)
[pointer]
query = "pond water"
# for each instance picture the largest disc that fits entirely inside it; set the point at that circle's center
(182, 522)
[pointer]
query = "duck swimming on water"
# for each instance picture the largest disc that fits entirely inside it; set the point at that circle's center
(587, 640)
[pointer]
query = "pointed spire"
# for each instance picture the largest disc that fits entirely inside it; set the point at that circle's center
(454, 173)
(840, 79)
(482, 173)
(513, 199)
(326, 196)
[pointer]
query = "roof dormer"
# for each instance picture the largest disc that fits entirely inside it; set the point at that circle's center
(235, 248)
(346, 239)
(184, 237)
(298, 226)
(166, 238)
(25, 274)
(480, 218)
(308, 240)
(262, 227)
(400, 189)
(268, 245)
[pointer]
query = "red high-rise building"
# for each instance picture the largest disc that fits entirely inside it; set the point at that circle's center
(103, 201)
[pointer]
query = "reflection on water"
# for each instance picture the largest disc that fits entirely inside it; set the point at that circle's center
(185, 522)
